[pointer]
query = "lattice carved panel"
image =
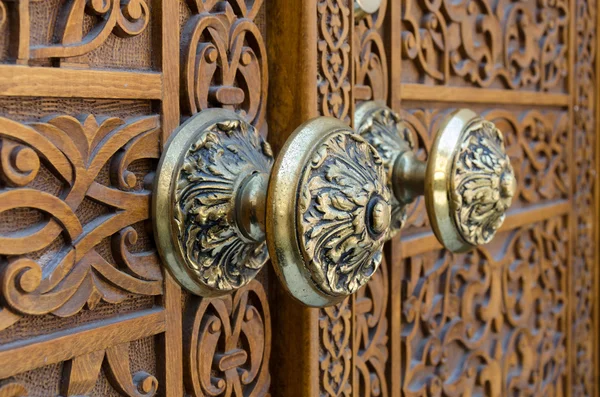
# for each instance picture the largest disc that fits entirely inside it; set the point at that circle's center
(78, 33)
(537, 142)
(127, 369)
(492, 322)
(508, 44)
(74, 194)
(224, 59)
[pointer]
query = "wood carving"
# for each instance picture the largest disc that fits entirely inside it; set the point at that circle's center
(536, 143)
(370, 61)
(584, 331)
(334, 58)
(335, 361)
(80, 374)
(224, 60)
(54, 265)
(371, 335)
(227, 344)
(486, 43)
(13, 389)
(493, 323)
(125, 18)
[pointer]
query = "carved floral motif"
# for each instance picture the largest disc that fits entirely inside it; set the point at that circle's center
(224, 60)
(491, 322)
(334, 59)
(74, 273)
(515, 44)
(584, 331)
(227, 343)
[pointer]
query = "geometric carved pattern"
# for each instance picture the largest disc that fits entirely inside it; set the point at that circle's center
(487, 43)
(492, 322)
(535, 141)
(227, 343)
(224, 60)
(334, 62)
(585, 261)
(65, 259)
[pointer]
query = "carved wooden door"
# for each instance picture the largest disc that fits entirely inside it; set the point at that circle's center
(91, 90)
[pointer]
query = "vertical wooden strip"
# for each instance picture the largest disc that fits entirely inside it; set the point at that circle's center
(572, 221)
(393, 40)
(596, 330)
(394, 45)
(171, 340)
(292, 50)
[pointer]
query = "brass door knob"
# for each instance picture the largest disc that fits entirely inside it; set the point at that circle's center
(221, 205)
(468, 181)
(362, 8)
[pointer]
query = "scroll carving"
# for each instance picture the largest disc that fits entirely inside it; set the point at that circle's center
(124, 18)
(345, 212)
(585, 260)
(371, 335)
(224, 60)
(55, 265)
(80, 374)
(370, 60)
(335, 329)
(227, 343)
(486, 43)
(536, 143)
(334, 58)
(493, 323)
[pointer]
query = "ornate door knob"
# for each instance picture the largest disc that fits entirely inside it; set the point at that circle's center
(221, 205)
(468, 181)
(362, 8)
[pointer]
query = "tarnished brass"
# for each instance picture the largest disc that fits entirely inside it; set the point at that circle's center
(468, 181)
(323, 208)
(362, 8)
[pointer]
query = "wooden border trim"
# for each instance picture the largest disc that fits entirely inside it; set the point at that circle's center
(418, 92)
(424, 242)
(21, 356)
(72, 83)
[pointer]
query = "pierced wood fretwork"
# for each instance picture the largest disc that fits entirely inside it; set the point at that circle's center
(493, 321)
(83, 205)
(486, 43)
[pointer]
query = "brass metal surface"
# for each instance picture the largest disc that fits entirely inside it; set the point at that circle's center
(328, 210)
(468, 181)
(362, 8)
(324, 209)
(209, 164)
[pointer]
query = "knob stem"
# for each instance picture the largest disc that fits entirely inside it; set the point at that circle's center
(250, 207)
(408, 177)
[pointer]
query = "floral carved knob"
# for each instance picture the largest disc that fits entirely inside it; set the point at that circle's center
(223, 205)
(468, 181)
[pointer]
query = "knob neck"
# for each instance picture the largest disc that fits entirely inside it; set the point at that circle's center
(250, 207)
(408, 177)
